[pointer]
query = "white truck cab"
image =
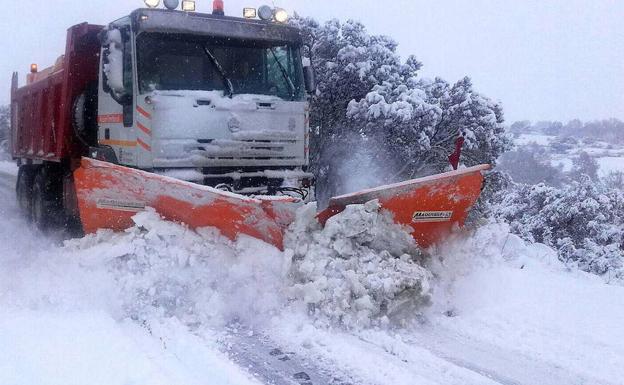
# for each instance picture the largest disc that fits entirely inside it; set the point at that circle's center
(206, 98)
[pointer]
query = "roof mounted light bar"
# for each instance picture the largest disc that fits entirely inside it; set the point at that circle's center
(267, 13)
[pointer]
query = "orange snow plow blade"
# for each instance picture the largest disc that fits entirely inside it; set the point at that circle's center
(432, 206)
(109, 195)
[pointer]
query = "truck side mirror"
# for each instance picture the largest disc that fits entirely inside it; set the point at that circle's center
(113, 67)
(309, 79)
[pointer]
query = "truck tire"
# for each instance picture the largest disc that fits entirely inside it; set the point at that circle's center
(23, 189)
(84, 115)
(46, 206)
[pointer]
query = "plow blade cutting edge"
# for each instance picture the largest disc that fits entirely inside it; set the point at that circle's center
(109, 195)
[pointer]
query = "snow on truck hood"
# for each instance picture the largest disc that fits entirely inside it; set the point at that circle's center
(195, 127)
(211, 115)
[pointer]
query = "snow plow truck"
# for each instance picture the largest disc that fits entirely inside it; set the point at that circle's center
(202, 117)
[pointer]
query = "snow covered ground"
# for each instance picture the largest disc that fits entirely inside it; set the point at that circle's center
(8, 167)
(160, 304)
(610, 157)
(62, 323)
(610, 164)
(540, 139)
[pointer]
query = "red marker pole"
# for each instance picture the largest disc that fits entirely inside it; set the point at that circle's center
(454, 157)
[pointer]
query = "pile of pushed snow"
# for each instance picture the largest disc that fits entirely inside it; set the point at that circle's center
(163, 269)
(361, 269)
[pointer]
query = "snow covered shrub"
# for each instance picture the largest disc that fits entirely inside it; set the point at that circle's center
(614, 180)
(584, 164)
(362, 269)
(366, 91)
(531, 164)
(584, 221)
(496, 181)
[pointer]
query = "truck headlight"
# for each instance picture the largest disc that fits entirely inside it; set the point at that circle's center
(249, 13)
(188, 5)
(281, 16)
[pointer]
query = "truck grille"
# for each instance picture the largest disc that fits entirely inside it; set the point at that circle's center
(251, 149)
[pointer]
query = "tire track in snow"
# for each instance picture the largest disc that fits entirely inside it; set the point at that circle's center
(274, 366)
(501, 365)
(453, 361)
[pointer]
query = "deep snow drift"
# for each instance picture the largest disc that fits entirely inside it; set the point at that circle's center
(361, 269)
(154, 304)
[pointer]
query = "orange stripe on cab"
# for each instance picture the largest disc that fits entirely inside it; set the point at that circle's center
(120, 143)
(111, 118)
(144, 113)
(144, 129)
(145, 146)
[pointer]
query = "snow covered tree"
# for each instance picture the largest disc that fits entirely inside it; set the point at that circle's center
(367, 94)
(520, 127)
(531, 164)
(417, 122)
(584, 164)
(584, 221)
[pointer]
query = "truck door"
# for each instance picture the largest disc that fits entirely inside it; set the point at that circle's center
(116, 94)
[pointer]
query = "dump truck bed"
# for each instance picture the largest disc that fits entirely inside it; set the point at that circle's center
(41, 127)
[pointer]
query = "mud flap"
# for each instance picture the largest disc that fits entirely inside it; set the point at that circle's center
(109, 195)
(432, 206)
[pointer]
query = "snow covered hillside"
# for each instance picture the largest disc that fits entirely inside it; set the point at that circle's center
(160, 304)
(610, 157)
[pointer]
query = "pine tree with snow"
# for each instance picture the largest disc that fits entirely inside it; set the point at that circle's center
(367, 93)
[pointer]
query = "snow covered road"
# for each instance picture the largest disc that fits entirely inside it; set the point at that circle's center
(170, 306)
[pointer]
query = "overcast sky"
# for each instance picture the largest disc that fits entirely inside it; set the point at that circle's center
(544, 60)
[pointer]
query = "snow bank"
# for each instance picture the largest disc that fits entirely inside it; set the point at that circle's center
(67, 310)
(503, 311)
(497, 290)
(360, 270)
(610, 164)
(8, 167)
(70, 349)
(163, 269)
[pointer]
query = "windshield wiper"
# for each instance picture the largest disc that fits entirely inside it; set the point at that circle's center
(226, 80)
(291, 85)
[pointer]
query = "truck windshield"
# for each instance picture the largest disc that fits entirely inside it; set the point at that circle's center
(183, 62)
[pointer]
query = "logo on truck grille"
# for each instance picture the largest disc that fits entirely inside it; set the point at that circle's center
(113, 204)
(431, 216)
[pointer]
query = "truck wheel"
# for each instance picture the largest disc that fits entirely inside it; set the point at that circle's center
(23, 189)
(46, 201)
(84, 115)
